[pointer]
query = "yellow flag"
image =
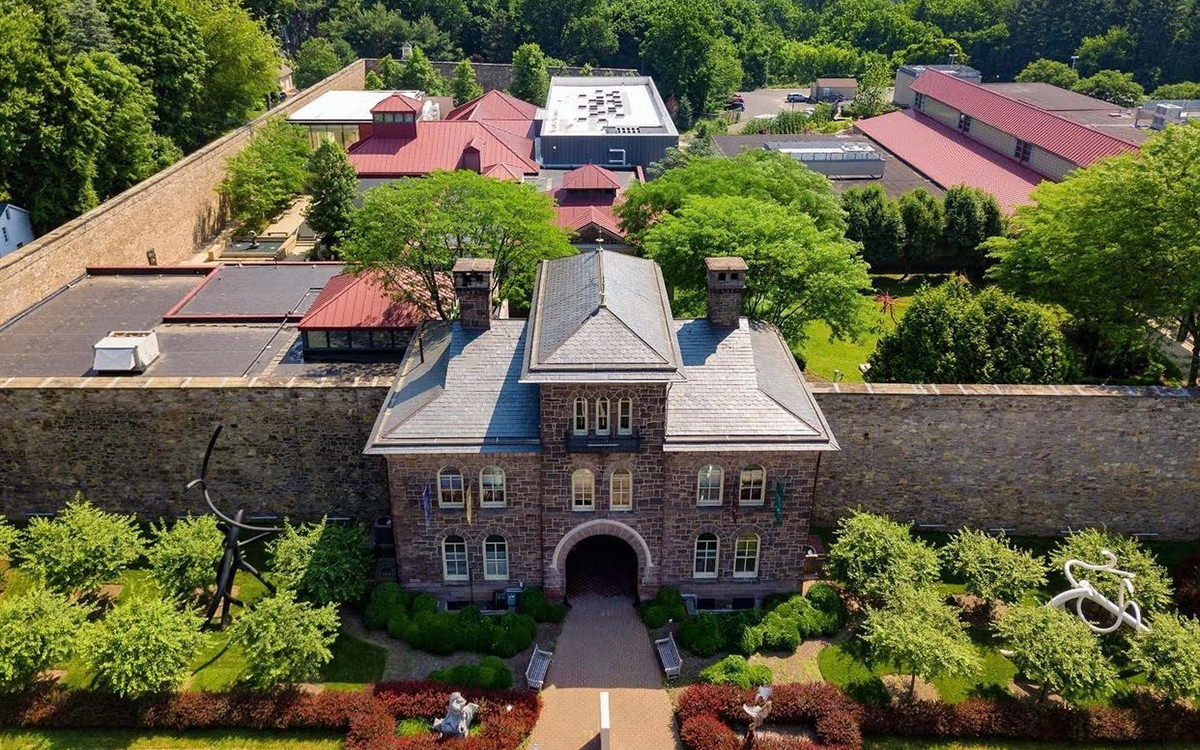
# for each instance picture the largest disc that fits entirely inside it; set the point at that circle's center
(469, 504)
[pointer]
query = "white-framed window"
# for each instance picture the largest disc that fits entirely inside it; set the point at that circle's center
(918, 101)
(583, 490)
(745, 556)
(454, 559)
(625, 416)
(579, 425)
(493, 490)
(495, 558)
(704, 564)
(964, 122)
(620, 490)
(709, 483)
(752, 487)
(450, 488)
(602, 425)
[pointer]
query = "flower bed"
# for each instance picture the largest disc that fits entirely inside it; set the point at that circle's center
(707, 713)
(368, 717)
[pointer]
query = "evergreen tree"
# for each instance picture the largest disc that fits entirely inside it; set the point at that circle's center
(420, 75)
(87, 27)
(390, 72)
(924, 225)
(972, 216)
(530, 77)
(333, 184)
(372, 81)
(463, 85)
(873, 219)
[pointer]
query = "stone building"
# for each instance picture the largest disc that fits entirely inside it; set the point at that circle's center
(601, 442)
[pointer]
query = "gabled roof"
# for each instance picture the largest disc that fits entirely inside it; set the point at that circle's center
(352, 301)
(590, 177)
(950, 158)
(398, 103)
(502, 172)
(494, 105)
(1076, 143)
(576, 218)
(440, 145)
(600, 316)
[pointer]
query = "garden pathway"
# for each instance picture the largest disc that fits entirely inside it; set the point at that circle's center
(604, 646)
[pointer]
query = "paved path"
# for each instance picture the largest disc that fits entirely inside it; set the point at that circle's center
(604, 646)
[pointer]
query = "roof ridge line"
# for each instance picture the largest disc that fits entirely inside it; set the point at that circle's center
(355, 278)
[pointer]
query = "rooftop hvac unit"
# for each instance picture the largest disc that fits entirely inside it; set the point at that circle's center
(1166, 114)
(125, 351)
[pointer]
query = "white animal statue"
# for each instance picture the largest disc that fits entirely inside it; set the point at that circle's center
(1125, 610)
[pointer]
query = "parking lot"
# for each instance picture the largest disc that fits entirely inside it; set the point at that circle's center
(770, 102)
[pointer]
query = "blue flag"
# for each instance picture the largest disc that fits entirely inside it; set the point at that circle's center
(425, 505)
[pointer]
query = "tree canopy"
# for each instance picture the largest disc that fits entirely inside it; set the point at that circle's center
(1170, 655)
(81, 548)
(141, 647)
(264, 177)
(285, 641)
(991, 567)
(530, 78)
(1152, 583)
(1056, 650)
(875, 556)
(874, 220)
(333, 185)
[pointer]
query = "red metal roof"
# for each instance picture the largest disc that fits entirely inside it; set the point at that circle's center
(439, 144)
(351, 301)
(590, 177)
(1072, 141)
(398, 103)
(575, 218)
(502, 172)
(949, 158)
(494, 105)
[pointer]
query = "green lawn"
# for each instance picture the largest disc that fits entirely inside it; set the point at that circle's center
(72, 739)
(823, 357)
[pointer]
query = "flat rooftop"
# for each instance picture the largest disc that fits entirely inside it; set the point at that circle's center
(259, 292)
(1096, 114)
(344, 106)
(55, 337)
(604, 105)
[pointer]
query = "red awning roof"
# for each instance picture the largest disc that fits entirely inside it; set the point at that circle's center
(398, 103)
(949, 158)
(1072, 141)
(439, 144)
(351, 301)
(494, 105)
(590, 177)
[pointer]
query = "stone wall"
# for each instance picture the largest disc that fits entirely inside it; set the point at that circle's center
(1039, 459)
(499, 75)
(132, 444)
(173, 213)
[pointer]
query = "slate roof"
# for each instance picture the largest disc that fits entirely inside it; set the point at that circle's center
(1076, 143)
(459, 391)
(600, 315)
(742, 391)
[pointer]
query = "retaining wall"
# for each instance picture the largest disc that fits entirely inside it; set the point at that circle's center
(499, 75)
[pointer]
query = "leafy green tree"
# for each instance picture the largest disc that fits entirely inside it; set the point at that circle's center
(80, 548)
(1053, 72)
(871, 98)
(1112, 50)
(184, 557)
(333, 184)
(762, 174)
(285, 641)
(143, 646)
(243, 65)
(420, 75)
(1056, 650)
(1114, 243)
(8, 539)
(1170, 655)
(579, 30)
(370, 29)
(323, 562)
(685, 114)
(464, 86)
(372, 81)
(1112, 86)
(1182, 90)
(37, 630)
(316, 60)
(875, 556)
(391, 72)
(423, 226)
(873, 219)
(689, 56)
(798, 273)
(924, 226)
(265, 176)
(807, 61)
(952, 334)
(1151, 584)
(530, 78)
(972, 216)
(919, 634)
(991, 567)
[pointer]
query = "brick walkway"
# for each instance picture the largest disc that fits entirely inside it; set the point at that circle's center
(604, 646)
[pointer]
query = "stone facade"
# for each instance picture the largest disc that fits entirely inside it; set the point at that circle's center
(173, 213)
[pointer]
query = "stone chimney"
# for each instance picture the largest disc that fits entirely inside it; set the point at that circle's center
(726, 282)
(473, 287)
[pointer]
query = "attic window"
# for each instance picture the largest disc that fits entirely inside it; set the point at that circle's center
(733, 276)
(721, 276)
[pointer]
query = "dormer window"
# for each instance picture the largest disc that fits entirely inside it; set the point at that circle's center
(602, 426)
(580, 422)
(625, 417)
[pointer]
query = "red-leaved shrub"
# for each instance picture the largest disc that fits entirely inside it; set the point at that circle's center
(707, 732)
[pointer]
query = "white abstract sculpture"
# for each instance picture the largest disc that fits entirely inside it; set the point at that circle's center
(1124, 612)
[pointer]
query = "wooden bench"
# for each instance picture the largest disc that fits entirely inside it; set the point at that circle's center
(668, 654)
(539, 664)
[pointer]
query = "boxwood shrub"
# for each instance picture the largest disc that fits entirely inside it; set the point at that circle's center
(735, 670)
(489, 674)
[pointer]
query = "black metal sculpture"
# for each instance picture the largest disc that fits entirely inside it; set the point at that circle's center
(232, 560)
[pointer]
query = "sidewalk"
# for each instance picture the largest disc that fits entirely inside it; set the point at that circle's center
(604, 646)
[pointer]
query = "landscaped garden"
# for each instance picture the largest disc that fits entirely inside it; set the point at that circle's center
(948, 640)
(102, 643)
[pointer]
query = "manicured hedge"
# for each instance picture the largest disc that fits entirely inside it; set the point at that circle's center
(532, 602)
(839, 722)
(735, 670)
(417, 621)
(780, 626)
(489, 674)
(666, 605)
(368, 717)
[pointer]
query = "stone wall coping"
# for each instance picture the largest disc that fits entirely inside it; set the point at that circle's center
(969, 389)
(209, 383)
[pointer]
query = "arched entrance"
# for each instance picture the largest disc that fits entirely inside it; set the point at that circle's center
(604, 565)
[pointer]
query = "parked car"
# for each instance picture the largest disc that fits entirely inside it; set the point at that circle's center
(796, 96)
(736, 102)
